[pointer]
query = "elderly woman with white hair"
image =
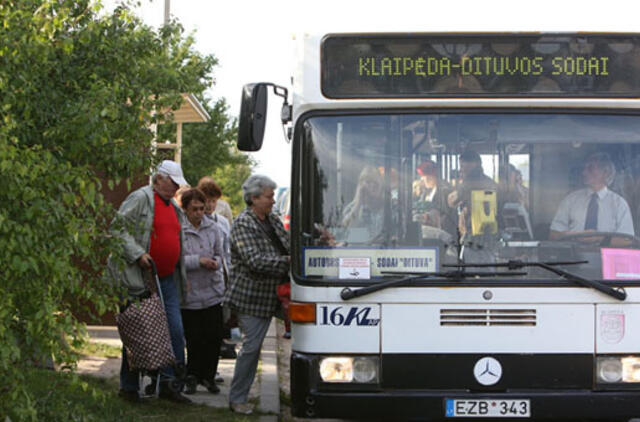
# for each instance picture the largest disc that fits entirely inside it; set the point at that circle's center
(260, 261)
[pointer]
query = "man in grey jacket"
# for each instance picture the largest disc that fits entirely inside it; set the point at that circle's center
(149, 224)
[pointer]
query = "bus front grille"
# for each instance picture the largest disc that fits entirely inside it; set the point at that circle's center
(487, 317)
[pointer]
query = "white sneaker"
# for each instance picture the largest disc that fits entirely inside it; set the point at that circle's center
(242, 408)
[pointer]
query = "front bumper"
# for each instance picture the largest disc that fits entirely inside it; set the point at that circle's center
(430, 406)
(311, 398)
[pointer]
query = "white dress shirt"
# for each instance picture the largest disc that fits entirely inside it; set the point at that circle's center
(613, 212)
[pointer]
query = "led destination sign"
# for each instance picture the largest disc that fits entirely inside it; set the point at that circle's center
(480, 66)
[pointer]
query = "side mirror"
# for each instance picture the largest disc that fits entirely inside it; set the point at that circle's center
(253, 117)
(253, 114)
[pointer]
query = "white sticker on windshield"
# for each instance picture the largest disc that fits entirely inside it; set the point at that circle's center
(355, 268)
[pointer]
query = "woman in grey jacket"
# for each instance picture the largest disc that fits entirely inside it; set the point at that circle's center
(202, 301)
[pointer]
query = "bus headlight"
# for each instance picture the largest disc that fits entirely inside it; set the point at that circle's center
(362, 370)
(609, 370)
(365, 370)
(336, 369)
(630, 369)
(618, 369)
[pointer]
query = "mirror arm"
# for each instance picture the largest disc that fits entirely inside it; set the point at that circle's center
(253, 111)
(286, 112)
(280, 91)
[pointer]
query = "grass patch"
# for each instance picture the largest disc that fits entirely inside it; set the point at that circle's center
(285, 399)
(98, 349)
(65, 397)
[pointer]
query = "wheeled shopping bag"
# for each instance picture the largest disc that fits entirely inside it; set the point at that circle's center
(144, 330)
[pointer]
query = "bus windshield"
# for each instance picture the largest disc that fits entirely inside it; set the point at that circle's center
(413, 192)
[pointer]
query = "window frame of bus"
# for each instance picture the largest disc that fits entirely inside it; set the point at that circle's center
(302, 182)
(486, 39)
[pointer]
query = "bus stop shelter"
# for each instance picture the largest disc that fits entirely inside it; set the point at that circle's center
(191, 111)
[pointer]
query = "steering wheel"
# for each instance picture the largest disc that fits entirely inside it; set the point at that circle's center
(601, 238)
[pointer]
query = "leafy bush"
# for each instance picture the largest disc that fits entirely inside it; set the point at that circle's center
(78, 94)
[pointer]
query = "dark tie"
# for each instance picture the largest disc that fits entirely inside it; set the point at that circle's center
(591, 221)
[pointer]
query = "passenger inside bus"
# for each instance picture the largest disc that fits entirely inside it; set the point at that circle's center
(472, 179)
(430, 198)
(629, 179)
(594, 208)
(363, 217)
(513, 190)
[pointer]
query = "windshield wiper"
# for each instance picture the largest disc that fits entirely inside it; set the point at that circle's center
(617, 293)
(348, 293)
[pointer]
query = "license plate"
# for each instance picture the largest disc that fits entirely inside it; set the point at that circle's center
(487, 408)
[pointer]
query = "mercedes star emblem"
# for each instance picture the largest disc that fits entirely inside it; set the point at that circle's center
(487, 371)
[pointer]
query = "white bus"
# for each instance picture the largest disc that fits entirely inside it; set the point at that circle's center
(463, 219)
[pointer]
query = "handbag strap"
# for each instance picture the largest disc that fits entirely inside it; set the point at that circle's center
(272, 235)
(151, 281)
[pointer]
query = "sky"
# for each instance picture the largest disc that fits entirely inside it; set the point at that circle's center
(252, 39)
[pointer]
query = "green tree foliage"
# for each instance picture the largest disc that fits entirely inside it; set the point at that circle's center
(78, 93)
(209, 149)
(209, 145)
(230, 177)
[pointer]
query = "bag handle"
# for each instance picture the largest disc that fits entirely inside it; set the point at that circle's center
(148, 281)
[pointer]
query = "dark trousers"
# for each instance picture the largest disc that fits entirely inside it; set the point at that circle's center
(203, 332)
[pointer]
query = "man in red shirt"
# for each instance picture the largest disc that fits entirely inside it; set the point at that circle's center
(156, 235)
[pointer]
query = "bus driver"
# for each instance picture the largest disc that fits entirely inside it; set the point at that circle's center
(594, 208)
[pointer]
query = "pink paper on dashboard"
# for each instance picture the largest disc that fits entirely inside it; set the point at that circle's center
(620, 264)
